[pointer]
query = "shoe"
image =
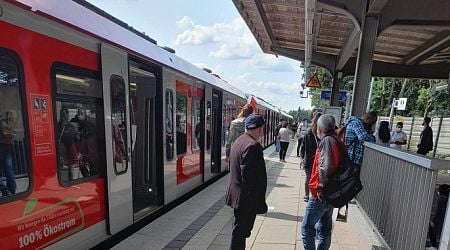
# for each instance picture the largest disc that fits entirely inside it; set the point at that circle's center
(341, 217)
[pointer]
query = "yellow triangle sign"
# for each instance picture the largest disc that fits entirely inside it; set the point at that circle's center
(314, 82)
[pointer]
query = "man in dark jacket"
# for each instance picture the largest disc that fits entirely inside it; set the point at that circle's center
(426, 138)
(248, 180)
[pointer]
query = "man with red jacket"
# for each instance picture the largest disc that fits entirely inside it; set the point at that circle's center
(318, 211)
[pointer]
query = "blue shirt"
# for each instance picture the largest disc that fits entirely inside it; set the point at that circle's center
(355, 136)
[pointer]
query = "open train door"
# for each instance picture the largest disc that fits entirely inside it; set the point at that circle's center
(118, 151)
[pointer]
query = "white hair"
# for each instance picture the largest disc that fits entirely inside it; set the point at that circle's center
(326, 123)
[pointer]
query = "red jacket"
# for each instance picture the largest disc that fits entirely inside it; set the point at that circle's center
(328, 157)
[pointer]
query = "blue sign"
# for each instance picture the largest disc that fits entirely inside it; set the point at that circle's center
(326, 95)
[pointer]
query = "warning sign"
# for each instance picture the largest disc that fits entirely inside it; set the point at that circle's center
(314, 82)
(43, 140)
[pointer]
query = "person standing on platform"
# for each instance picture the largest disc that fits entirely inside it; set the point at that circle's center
(284, 138)
(299, 137)
(383, 134)
(237, 128)
(318, 213)
(308, 151)
(246, 192)
(426, 138)
(358, 130)
(398, 137)
(277, 130)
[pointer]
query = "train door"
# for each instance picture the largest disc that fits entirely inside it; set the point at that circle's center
(117, 138)
(144, 110)
(216, 131)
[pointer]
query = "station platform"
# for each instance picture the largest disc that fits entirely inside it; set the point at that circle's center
(205, 222)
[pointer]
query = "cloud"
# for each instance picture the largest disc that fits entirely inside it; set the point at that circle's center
(272, 63)
(233, 39)
(215, 69)
(281, 94)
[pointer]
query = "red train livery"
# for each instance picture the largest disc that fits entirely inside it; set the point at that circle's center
(99, 126)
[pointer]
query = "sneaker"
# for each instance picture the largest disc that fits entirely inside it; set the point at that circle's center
(341, 217)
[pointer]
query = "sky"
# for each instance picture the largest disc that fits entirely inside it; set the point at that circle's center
(212, 34)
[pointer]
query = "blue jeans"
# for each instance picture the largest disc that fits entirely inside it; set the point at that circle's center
(7, 166)
(317, 219)
(277, 145)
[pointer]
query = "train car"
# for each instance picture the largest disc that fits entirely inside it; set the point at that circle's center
(100, 127)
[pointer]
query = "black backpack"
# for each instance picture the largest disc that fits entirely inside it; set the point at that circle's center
(343, 184)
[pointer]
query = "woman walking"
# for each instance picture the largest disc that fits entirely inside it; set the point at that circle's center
(308, 151)
(284, 136)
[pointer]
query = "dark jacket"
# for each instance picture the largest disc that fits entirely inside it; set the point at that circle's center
(308, 149)
(248, 178)
(426, 140)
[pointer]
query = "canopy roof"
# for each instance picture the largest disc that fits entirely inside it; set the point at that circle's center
(413, 35)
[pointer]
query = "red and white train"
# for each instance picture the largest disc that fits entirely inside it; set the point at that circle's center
(100, 127)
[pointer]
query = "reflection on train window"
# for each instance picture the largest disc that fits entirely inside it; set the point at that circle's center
(14, 171)
(208, 125)
(181, 115)
(80, 136)
(119, 124)
(169, 125)
(196, 124)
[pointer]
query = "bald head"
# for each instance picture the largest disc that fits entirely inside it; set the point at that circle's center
(369, 118)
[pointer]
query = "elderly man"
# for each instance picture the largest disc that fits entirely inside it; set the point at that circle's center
(318, 212)
(248, 180)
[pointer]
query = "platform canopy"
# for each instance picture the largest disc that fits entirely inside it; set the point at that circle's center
(412, 36)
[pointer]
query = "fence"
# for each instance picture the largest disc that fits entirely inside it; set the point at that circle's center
(398, 194)
(412, 126)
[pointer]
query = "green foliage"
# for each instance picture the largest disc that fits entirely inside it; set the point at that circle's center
(423, 97)
(300, 114)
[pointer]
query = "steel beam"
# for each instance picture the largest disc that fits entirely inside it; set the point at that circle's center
(335, 90)
(383, 69)
(347, 50)
(428, 49)
(323, 60)
(364, 65)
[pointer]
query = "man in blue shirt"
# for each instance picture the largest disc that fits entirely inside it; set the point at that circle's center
(358, 130)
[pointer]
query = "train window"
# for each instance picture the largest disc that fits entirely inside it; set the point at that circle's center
(196, 125)
(181, 116)
(14, 165)
(80, 136)
(208, 125)
(169, 125)
(119, 124)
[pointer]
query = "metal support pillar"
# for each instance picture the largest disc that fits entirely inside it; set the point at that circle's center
(335, 89)
(364, 65)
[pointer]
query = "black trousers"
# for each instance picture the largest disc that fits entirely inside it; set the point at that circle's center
(242, 228)
(299, 144)
(284, 146)
(308, 176)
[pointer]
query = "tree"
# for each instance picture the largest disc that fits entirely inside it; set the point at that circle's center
(300, 114)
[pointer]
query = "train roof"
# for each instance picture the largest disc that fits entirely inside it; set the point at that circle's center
(89, 19)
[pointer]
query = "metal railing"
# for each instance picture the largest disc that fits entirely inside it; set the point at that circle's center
(398, 194)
